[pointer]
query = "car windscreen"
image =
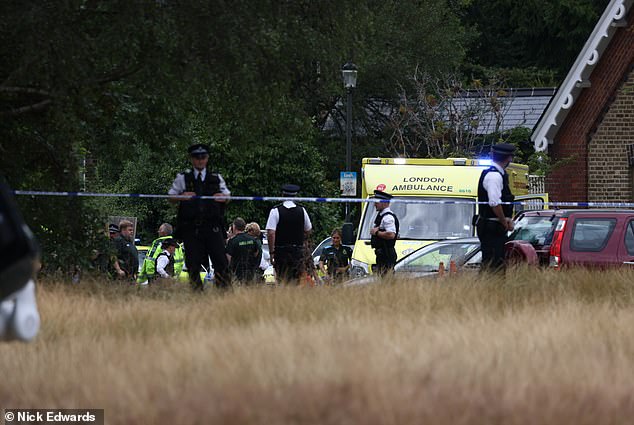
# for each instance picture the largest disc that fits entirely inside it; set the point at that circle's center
(537, 230)
(433, 221)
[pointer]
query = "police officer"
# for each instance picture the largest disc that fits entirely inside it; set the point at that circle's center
(494, 219)
(201, 222)
(244, 253)
(384, 233)
(127, 263)
(165, 261)
(149, 263)
(104, 257)
(287, 227)
(336, 258)
(113, 231)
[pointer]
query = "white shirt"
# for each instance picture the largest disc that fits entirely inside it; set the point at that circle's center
(493, 185)
(178, 186)
(264, 262)
(274, 217)
(161, 262)
(387, 221)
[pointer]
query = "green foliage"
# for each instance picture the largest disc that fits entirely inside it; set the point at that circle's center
(106, 96)
(538, 162)
(537, 33)
(259, 153)
(530, 76)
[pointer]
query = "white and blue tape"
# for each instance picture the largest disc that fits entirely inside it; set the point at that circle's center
(325, 200)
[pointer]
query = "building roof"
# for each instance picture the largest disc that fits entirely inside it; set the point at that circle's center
(517, 108)
(578, 77)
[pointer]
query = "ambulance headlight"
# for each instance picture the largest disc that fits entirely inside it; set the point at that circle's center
(358, 268)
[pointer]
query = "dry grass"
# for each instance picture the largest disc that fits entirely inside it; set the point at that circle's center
(542, 348)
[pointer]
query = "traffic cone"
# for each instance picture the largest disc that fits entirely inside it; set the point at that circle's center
(441, 269)
(452, 267)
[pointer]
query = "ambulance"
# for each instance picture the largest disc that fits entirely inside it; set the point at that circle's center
(452, 185)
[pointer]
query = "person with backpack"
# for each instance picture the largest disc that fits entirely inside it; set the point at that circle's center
(384, 234)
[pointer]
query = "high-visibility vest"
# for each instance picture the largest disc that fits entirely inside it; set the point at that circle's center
(179, 260)
(149, 264)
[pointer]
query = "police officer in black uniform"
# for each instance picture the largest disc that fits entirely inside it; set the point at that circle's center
(165, 261)
(495, 219)
(384, 233)
(201, 222)
(287, 226)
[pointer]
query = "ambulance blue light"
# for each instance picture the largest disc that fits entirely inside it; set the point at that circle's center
(485, 162)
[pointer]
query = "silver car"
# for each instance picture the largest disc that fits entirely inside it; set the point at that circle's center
(425, 261)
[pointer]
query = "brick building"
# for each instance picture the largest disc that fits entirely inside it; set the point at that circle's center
(588, 128)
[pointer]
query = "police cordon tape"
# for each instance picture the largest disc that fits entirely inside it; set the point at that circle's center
(406, 200)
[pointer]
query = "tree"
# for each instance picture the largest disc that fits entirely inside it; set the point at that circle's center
(441, 118)
(107, 96)
(543, 34)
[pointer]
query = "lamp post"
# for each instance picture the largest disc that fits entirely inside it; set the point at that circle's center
(349, 73)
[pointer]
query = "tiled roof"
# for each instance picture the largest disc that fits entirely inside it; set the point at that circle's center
(518, 108)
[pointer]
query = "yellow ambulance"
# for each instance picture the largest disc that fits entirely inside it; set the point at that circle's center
(452, 180)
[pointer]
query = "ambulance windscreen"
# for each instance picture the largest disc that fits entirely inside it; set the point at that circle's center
(427, 221)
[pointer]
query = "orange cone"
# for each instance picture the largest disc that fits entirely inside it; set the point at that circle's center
(452, 267)
(441, 269)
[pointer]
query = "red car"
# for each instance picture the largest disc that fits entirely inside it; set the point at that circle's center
(593, 238)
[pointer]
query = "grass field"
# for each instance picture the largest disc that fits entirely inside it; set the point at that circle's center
(542, 347)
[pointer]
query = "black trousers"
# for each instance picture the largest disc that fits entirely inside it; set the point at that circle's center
(289, 261)
(385, 260)
(246, 274)
(201, 244)
(492, 237)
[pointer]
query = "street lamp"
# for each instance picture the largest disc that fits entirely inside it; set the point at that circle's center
(349, 74)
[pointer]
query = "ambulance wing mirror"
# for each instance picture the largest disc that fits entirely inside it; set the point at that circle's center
(347, 231)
